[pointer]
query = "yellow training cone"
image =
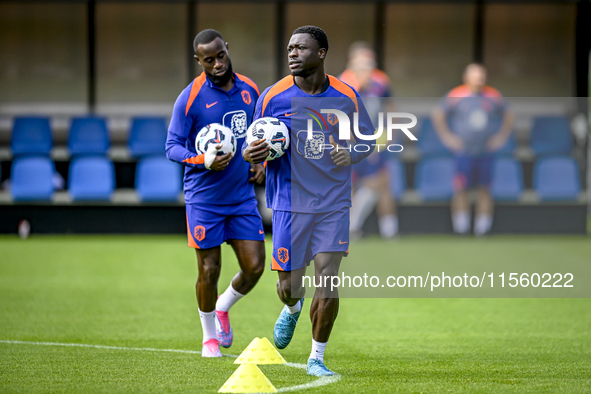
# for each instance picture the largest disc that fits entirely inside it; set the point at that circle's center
(260, 351)
(248, 378)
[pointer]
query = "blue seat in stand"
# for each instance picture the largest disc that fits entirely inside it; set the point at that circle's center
(507, 179)
(31, 136)
(434, 177)
(147, 136)
(158, 179)
(31, 179)
(91, 178)
(557, 178)
(88, 136)
(551, 135)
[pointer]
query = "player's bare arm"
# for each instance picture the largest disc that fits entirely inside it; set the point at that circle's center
(256, 152)
(448, 138)
(340, 156)
(497, 141)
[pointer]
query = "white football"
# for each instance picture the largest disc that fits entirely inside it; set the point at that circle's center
(215, 134)
(274, 131)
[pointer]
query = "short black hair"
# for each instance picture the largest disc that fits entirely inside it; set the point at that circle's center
(205, 37)
(317, 34)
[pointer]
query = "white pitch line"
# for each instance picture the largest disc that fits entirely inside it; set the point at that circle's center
(296, 365)
(322, 381)
(142, 349)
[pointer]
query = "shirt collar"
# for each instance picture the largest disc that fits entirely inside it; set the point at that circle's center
(235, 87)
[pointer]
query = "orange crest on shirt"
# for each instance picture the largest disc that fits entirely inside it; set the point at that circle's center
(246, 97)
(332, 119)
(199, 233)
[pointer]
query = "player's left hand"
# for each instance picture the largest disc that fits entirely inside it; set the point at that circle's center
(495, 142)
(340, 155)
(213, 161)
(258, 174)
(257, 151)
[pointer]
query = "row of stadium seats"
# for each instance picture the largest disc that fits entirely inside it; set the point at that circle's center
(158, 179)
(554, 178)
(92, 178)
(89, 135)
(550, 135)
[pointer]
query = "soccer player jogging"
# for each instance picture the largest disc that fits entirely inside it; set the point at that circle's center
(219, 194)
(309, 187)
(474, 123)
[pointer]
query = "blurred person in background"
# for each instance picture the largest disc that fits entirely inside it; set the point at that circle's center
(371, 175)
(473, 122)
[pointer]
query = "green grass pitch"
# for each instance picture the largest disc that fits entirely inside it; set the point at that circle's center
(138, 291)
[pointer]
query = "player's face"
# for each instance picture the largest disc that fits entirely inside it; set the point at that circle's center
(363, 65)
(475, 76)
(304, 55)
(215, 60)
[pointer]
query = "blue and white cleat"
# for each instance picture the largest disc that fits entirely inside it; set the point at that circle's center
(317, 368)
(285, 326)
(223, 329)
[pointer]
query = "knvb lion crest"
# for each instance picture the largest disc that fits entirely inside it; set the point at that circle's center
(236, 121)
(199, 233)
(313, 148)
(332, 119)
(246, 97)
(283, 255)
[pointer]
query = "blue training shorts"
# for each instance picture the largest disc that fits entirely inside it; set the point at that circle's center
(298, 237)
(473, 171)
(211, 225)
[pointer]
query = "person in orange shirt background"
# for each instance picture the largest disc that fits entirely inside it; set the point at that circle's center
(371, 175)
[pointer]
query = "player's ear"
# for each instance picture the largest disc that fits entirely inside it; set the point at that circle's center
(322, 53)
(197, 58)
(227, 47)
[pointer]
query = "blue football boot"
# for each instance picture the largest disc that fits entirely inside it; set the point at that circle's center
(285, 326)
(317, 368)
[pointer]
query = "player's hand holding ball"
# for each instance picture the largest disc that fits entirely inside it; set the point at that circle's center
(267, 139)
(213, 161)
(256, 152)
(340, 156)
(217, 144)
